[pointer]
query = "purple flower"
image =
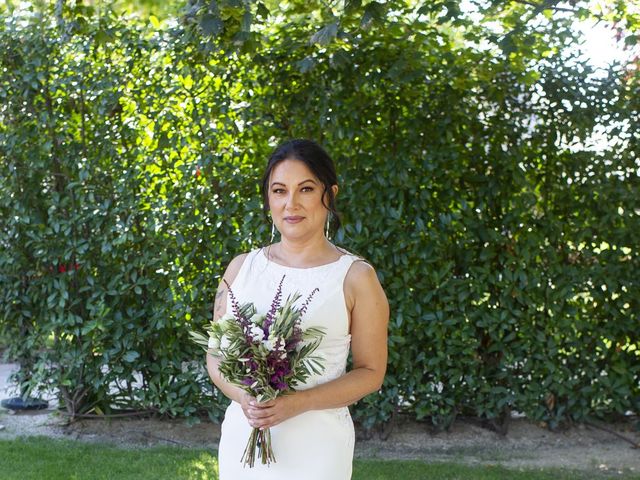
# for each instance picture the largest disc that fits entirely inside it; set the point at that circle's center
(244, 322)
(273, 361)
(295, 339)
(279, 384)
(277, 379)
(274, 308)
(291, 345)
(303, 309)
(284, 369)
(235, 306)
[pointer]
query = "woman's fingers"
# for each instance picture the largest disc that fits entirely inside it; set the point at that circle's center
(246, 402)
(272, 413)
(268, 403)
(257, 413)
(260, 414)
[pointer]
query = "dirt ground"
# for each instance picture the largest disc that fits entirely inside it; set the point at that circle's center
(525, 445)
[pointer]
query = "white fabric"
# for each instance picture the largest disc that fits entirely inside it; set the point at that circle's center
(316, 445)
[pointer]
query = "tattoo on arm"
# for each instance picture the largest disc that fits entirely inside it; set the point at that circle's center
(217, 308)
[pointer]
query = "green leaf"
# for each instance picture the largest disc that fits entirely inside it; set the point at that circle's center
(325, 35)
(131, 356)
(262, 11)
(305, 64)
(373, 12)
(211, 25)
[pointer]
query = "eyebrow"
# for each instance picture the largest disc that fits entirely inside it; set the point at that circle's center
(304, 181)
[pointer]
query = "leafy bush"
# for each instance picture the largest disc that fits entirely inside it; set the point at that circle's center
(504, 234)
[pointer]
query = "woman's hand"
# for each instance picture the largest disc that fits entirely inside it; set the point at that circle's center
(245, 400)
(271, 413)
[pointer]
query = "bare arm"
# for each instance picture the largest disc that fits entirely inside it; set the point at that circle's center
(219, 307)
(369, 320)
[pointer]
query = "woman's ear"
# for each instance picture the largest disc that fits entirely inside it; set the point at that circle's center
(334, 188)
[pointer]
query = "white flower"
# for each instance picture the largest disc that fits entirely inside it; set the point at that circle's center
(275, 343)
(269, 344)
(224, 320)
(225, 342)
(214, 344)
(256, 333)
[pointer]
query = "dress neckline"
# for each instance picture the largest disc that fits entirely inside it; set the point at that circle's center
(262, 252)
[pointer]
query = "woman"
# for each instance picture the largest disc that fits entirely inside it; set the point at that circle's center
(311, 429)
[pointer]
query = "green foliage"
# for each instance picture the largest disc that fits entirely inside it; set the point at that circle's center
(505, 235)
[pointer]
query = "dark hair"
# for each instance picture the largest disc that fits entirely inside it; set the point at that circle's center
(317, 160)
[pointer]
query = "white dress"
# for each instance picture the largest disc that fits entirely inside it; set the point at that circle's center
(316, 445)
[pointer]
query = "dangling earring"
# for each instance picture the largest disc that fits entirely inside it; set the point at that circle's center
(326, 226)
(273, 231)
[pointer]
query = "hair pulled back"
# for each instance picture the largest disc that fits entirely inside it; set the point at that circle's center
(320, 164)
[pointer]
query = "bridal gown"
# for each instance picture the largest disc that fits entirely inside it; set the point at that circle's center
(316, 445)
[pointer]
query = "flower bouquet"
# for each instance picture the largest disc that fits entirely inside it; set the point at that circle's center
(264, 354)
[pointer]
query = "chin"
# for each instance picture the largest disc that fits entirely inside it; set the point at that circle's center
(296, 233)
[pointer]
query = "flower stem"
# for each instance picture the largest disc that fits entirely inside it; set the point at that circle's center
(260, 442)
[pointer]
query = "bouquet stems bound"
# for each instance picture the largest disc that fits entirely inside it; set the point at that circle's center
(259, 443)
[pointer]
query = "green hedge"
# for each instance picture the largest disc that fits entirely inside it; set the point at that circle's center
(505, 236)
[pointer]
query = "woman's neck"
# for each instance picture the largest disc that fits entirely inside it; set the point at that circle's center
(301, 254)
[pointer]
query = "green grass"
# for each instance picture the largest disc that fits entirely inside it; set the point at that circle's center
(415, 470)
(43, 458)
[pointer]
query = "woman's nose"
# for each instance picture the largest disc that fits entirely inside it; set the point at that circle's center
(292, 199)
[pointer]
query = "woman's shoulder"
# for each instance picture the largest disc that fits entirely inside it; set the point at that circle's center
(361, 282)
(361, 271)
(358, 262)
(238, 260)
(236, 264)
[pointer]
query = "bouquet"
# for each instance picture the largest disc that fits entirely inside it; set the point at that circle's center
(264, 354)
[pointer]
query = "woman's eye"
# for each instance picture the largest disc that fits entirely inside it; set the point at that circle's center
(278, 190)
(307, 189)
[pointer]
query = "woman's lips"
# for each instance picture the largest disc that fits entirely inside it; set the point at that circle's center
(293, 219)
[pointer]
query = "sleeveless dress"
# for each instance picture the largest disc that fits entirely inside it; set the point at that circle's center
(318, 444)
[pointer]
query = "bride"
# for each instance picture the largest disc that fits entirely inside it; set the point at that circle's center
(311, 428)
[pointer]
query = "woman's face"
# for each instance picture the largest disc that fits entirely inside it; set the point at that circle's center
(295, 200)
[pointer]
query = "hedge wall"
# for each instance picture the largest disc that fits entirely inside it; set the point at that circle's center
(503, 230)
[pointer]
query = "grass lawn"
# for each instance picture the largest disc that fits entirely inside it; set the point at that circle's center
(44, 458)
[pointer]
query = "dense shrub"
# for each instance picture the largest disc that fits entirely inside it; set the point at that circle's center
(505, 236)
